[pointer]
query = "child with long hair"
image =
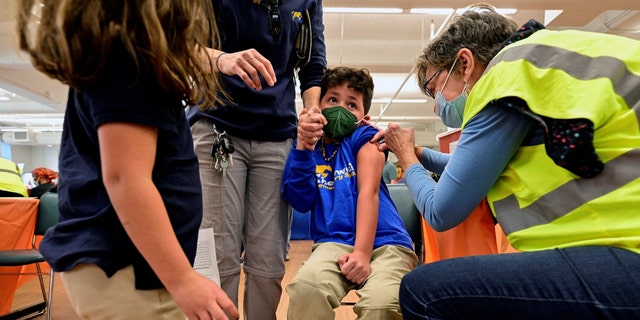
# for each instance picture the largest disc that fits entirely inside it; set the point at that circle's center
(130, 198)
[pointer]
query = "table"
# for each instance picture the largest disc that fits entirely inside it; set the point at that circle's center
(17, 223)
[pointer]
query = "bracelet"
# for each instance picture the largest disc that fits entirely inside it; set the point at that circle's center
(218, 60)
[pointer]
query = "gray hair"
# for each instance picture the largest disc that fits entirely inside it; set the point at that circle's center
(480, 29)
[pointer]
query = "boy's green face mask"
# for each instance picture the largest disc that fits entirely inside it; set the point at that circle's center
(340, 122)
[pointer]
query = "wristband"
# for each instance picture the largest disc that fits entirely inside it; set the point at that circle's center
(218, 61)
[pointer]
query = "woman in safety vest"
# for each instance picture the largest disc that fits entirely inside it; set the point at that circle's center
(11, 184)
(551, 136)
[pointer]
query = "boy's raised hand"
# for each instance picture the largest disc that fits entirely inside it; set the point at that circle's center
(310, 124)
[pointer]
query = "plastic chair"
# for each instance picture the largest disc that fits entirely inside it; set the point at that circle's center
(47, 217)
(410, 216)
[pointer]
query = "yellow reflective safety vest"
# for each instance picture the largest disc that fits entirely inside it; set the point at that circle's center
(10, 179)
(568, 75)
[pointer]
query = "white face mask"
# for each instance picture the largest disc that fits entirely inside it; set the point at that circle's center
(451, 111)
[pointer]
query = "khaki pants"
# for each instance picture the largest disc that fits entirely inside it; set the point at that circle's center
(319, 286)
(94, 296)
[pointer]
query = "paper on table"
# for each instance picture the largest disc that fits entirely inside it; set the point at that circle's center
(206, 262)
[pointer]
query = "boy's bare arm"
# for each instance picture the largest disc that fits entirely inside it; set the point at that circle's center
(370, 162)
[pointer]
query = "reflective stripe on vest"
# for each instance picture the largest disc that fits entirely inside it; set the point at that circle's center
(10, 171)
(575, 64)
(556, 204)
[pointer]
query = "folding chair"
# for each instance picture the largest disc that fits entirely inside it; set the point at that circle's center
(47, 217)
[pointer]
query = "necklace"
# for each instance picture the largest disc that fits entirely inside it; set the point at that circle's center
(324, 152)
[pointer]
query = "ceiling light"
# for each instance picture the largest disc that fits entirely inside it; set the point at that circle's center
(436, 11)
(503, 11)
(386, 100)
(9, 129)
(360, 10)
(550, 15)
(4, 98)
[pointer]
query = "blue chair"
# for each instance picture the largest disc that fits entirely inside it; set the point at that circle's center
(410, 215)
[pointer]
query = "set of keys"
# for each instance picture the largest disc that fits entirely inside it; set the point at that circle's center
(221, 151)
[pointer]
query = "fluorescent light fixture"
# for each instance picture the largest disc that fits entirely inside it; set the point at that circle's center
(7, 129)
(504, 11)
(435, 11)
(387, 100)
(4, 98)
(360, 10)
(550, 15)
(46, 129)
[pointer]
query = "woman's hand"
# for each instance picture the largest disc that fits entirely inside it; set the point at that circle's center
(378, 138)
(402, 143)
(310, 126)
(249, 65)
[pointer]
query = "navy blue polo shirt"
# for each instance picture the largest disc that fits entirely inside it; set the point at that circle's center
(268, 114)
(89, 230)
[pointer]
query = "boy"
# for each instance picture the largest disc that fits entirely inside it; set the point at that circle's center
(359, 238)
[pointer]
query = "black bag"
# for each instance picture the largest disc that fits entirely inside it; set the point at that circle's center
(303, 42)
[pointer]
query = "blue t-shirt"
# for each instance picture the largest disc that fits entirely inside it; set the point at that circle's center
(89, 230)
(329, 190)
(268, 114)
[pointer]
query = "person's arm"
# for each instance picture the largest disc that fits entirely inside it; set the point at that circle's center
(486, 146)
(311, 97)
(299, 180)
(432, 160)
(127, 154)
(311, 74)
(248, 64)
(356, 265)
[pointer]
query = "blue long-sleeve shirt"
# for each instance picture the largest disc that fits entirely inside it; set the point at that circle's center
(486, 145)
(268, 114)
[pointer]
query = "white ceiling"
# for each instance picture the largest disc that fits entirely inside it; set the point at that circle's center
(386, 44)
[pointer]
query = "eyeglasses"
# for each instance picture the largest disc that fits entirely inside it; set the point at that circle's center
(425, 90)
(275, 22)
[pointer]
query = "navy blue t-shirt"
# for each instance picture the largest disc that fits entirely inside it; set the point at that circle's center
(89, 230)
(268, 114)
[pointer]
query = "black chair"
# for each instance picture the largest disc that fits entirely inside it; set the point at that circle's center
(47, 217)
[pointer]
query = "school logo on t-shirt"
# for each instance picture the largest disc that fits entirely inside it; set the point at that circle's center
(326, 176)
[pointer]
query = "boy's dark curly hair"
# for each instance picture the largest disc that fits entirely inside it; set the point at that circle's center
(358, 79)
